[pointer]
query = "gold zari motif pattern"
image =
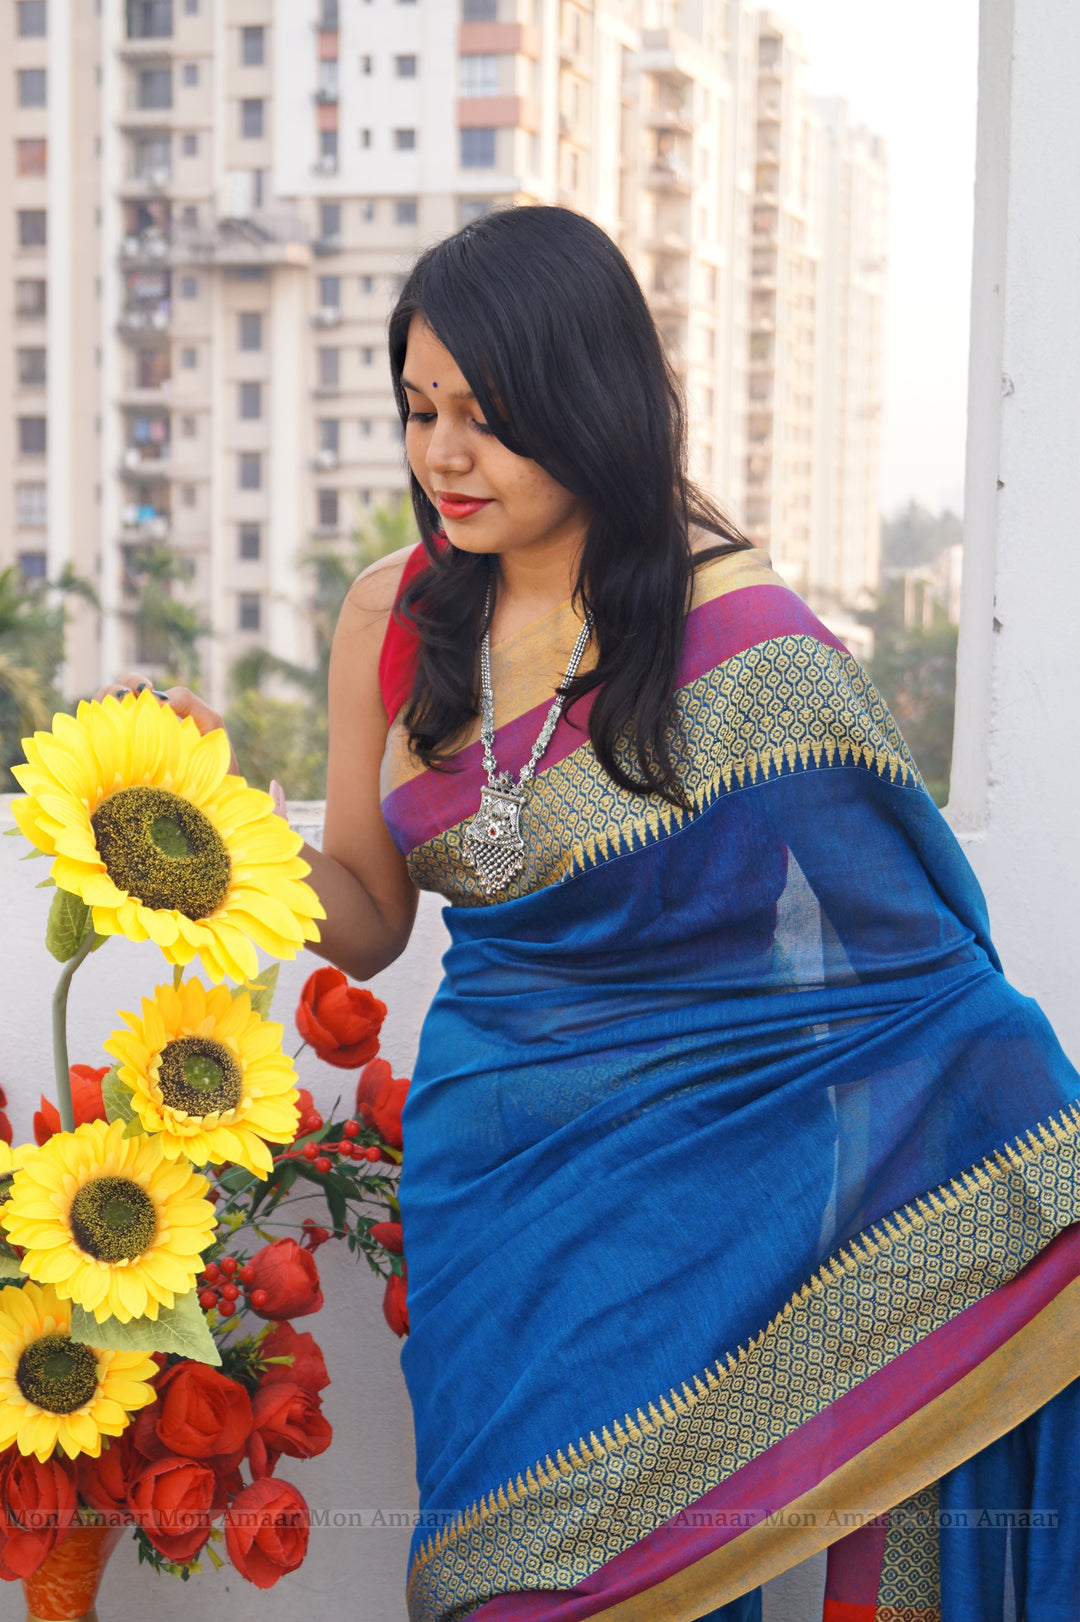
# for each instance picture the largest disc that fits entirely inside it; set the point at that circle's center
(788, 705)
(880, 1294)
(909, 1589)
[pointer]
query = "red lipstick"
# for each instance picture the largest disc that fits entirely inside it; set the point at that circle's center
(453, 505)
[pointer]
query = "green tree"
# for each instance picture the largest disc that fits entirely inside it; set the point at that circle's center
(914, 669)
(31, 653)
(167, 630)
(287, 739)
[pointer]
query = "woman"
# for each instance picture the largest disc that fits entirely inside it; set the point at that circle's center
(740, 1189)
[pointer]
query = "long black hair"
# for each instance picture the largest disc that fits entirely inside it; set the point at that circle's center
(547, 323)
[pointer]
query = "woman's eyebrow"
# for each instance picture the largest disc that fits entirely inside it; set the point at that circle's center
(461, 394)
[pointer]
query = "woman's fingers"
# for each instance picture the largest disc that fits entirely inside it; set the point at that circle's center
(277, 794)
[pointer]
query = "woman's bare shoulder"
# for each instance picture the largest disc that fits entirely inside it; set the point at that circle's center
(373, 593)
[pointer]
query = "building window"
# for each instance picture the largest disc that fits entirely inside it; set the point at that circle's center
(150, 19)
(249, 543)
(31, 506)
(329, 368)
(32, 565)
(153, 88)
(473, 208)
(32, 368)
(480, 11)
(250, 328)
(251, 119)
(404, 140)
(189, 359)
(365, 138)
(188, 427)
(367, 355)
(405, 211)
(367, 284)
(32, 299)
(33, 437)
(191, 8)
(329, 434)
(365, 66)
(330, 292)
(249, 611)
(191, 73)
(478, 149)
(330, 222)
(365, 427)
(189, 495)
(31, 15)
(251, 401)
(189, 215)
(367, 210)
(328, 145)
(31, 156)
(153, 157)
(191, 146)
(479, 75)
(249, 469)
(328, 15)
(151, 368)
(189, 287)
(31, 87)
(253, 47)
(405, 67)
(328, 79)
(328, 509)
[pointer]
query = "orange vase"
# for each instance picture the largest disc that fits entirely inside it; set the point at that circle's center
(65, 1587)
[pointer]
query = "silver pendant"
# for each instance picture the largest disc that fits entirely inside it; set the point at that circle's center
(493, 841)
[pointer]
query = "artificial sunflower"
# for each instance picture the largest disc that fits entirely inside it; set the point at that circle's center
(10, 1161)
(149, 828)
(208, 1073)
(110, 1221)
(55, 1390)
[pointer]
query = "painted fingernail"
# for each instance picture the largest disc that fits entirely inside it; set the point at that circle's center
(164, 697)
(141, 686)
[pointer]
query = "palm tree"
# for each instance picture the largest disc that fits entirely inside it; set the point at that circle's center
(168, 631)
(31, 649)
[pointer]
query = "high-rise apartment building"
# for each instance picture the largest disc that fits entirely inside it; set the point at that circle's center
(214, 203)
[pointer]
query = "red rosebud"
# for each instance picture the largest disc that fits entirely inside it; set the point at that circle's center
(105, 1482)
(266, 1531)
(176, 1501)
(341, 1022)
(388, 1235)
(85, 1097)
(379, 1099)
(288, 1276)
(308, 1366)
(6, 1133)
(395, 1307)
(200, 1414)
(287, 1419)
(38, 1506)
(314, 1236)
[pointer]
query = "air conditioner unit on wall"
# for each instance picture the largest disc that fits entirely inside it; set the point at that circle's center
(328, 316)
(326, 460)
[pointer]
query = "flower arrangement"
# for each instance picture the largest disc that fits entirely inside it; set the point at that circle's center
(151, 1376)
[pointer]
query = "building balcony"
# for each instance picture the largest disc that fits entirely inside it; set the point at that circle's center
(667, 242)
(669, 301)
(668, 177)
(328, 316)
(259, 240)
(148, 246)
(144, 525)
(143, 319)
(154, 179)
(325, 461)
(670, 117)
(146, 461)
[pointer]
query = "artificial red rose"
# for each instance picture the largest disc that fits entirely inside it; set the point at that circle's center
(5, 1125)
(176, 1501)
(379, 1099)
(342, 1022)
(290, 1278)
(85, 1097)
(388, 1235)
(200, 1414)
(287, 1419)
(314, 1236)
(310, 1119)
(38, 1506)
(104, 1482)
(308, 1366)
(266, 1531)
(395, 1307)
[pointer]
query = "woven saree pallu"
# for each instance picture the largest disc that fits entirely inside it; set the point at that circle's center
(740, 1190)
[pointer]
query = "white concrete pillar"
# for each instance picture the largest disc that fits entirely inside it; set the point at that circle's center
(1016, 764)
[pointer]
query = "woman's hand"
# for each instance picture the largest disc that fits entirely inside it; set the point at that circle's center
(180, 699)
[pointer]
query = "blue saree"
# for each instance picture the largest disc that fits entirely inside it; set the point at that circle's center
(740, 1190)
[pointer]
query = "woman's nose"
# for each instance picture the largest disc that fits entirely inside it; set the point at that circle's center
(448, 449)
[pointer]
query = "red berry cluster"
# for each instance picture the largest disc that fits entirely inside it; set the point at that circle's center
(319, 1154)
(218, 1286)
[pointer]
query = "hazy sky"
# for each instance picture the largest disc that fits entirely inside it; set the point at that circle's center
(909, 71)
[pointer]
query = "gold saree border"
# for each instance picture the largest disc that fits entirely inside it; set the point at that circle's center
(1027, 1371)
(785, 705)
(878, 1295)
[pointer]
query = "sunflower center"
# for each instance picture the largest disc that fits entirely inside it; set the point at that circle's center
(6, 1180)
(113, 1219)
(199, 1076)
(57, 1373)
(163, 850)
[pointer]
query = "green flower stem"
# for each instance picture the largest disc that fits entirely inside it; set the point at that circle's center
(59, 1029)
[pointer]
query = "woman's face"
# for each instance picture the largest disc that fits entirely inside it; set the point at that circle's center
(490, 500)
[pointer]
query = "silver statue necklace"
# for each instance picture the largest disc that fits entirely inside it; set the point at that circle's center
(493, 841)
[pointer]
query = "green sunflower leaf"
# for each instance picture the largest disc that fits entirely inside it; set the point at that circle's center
(43, 884)
(117, 1098)
(182, 1328)
(69, 924)
(235, 1178)
(261, 990)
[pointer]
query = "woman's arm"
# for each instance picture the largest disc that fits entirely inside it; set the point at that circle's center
(359, 875)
